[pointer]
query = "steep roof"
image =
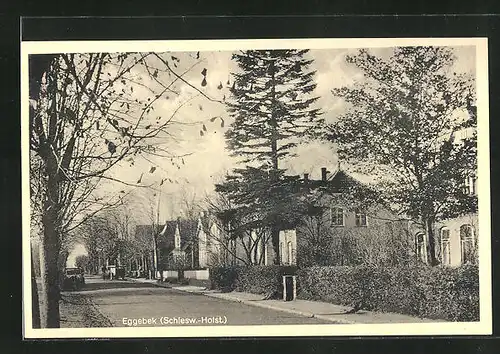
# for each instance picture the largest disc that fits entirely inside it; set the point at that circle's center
(188, 231)
(338, 183)
(349, 189)
(166, 236)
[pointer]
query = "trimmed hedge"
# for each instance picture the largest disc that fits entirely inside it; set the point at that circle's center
(445, 293)
(223, 278)
(266, 280)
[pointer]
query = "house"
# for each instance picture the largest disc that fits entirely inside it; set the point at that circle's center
(214, 244)
(345, 225)
(344, 230)
(219, 245)
(177, 244)
(455, 238)
(349, 231)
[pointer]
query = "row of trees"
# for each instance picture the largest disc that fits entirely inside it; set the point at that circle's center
(89, 113)
(273, 107)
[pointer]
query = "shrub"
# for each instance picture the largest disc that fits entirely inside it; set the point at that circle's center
(263, 279)
(223, 278)
(255, 279)
(430, 292)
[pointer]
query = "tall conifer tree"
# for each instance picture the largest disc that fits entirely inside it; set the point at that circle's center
(272, 104)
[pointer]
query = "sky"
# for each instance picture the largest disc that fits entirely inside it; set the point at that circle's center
(209, 158)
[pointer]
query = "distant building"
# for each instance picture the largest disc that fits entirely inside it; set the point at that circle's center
(178, 244)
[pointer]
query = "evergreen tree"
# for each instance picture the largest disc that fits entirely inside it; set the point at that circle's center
(273, 108)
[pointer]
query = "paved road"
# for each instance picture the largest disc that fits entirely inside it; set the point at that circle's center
(129, 303)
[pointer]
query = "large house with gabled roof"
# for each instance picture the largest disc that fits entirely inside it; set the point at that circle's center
(346, 224)
(358, 228)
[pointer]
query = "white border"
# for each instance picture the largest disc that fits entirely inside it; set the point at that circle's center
(484, 326)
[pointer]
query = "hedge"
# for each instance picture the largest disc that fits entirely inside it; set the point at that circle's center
(253, 279)
(445, 293)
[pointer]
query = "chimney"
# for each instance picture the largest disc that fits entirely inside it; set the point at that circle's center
(306, 177)
(323, 173)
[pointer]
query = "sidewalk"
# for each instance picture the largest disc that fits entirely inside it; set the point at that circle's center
(321, 310)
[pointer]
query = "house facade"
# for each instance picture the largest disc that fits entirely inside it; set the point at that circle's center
(457, 240)
(346, 232)
(458, 237)
(344, 228)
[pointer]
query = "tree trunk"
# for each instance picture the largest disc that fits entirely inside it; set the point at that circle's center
(51, 246)
(35, 303)
(51, 214)
(431, 242)
(275, 232)
(51, 270)
(275, 237)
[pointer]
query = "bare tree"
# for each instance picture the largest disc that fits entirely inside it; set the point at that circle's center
(222, 231)
(85, 118)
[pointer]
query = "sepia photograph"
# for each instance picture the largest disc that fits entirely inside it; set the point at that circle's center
(232, 188)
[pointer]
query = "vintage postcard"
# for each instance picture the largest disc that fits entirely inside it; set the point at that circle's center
(235, 188)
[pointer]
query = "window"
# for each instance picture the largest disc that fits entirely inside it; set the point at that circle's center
(470, 185)
(337, 216)
(467, 243)
(445, 246)
(177, 241)
(420, 247)
(265, 254)
(281, 253)
(360, 218)
(290, 254)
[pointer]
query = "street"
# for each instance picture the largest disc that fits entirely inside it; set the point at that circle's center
(121, 303)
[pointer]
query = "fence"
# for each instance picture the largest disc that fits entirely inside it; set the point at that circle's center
(199, 274)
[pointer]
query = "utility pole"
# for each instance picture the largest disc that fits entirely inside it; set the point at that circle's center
(156, 229)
